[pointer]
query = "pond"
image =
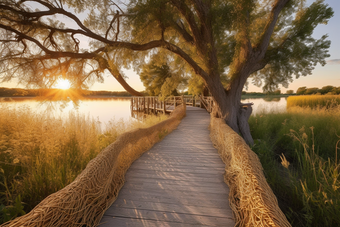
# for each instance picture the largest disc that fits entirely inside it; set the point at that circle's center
(105, 109)
(265, 105)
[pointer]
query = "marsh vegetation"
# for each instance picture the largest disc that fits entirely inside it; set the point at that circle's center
(40, 153)
(299, 150)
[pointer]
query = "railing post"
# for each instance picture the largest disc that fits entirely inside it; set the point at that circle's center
(137, 104)
(175, 102)
(164, 107)
(148, 104)
(155, 104)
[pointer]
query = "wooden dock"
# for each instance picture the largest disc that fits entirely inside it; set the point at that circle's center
(154, 105)
(179, 182)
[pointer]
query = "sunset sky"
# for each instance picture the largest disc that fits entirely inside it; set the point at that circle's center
(321, 76)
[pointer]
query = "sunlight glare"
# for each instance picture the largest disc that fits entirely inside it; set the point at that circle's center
(63, 84)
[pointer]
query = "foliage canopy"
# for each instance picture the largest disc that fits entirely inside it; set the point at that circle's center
(269, 41)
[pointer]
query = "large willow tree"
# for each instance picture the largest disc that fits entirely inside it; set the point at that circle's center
(268, 40)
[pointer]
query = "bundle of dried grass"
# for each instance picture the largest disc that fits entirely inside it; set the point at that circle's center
(84, 201)
(251, 199)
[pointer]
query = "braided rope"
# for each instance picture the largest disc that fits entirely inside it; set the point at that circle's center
(251, 199)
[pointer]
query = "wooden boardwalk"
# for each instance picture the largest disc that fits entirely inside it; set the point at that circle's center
(179, 182)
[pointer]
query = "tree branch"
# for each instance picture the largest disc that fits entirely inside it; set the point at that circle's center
(189, 16)
(268, 30)
(175, 49)
(181, 29)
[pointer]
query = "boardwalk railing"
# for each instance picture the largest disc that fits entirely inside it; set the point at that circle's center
(207, 103)
(153, 104)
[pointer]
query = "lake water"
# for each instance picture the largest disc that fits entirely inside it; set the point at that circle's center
(263, 105)
(102, 109)
(105, 109)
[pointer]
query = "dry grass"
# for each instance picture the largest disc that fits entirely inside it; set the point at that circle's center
(84, 201)
(41, 154)
(313, 101)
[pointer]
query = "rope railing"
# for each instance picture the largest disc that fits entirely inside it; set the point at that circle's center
(250, 197)
(84, 201)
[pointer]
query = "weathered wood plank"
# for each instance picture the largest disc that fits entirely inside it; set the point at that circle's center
(129, 222)
(179, 182)
(175, 182)
(169, 199)
(178, 168)
(170, 207)
(170, 217)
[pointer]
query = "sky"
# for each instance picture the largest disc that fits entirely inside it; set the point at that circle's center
(321, 75)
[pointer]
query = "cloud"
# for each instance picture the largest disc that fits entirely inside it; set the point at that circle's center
(333, 62)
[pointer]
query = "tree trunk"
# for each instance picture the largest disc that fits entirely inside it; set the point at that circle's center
(242, 120)
(228, 106)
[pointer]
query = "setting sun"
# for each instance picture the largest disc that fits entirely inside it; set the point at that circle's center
(63, 84)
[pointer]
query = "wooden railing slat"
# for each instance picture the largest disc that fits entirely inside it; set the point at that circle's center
(152, 104)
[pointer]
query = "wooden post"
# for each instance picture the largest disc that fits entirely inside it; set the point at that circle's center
(154, 105)
(164, 106)
(140, 104)
(175, 102)
(131, 105)
(137, 104)
(148, 104)
(143, 104)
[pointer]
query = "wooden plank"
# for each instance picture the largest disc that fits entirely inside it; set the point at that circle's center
(175, 188)
(179, 182)
(170, 207)
(169, 199)
(177, 168)
(170, 217)
(206, 180)
(130, 222)
(175, 182)
(182, 170)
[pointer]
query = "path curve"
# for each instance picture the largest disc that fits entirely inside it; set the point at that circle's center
(178, 182)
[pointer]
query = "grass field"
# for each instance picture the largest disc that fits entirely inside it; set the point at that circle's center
(313, 101)
(300, 151)
(41, 154)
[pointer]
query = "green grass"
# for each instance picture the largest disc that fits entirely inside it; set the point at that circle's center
(299, 153)
(41, 154)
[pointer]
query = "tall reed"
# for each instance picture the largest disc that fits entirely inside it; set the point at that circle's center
(313, 101)
(40, 153)
(299, 153)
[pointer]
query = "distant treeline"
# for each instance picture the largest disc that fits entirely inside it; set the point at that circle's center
(19, 92)
(262, 94)
(326, 90)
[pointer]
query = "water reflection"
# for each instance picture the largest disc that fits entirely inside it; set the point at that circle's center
(268, 104)
(102, 109)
